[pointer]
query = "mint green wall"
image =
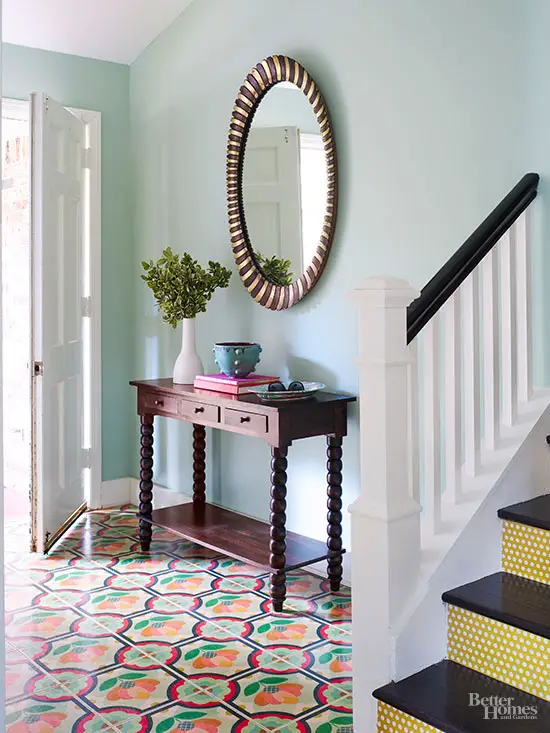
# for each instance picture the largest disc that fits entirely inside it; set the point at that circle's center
(427, 99)
(537, 111)
(102, 87)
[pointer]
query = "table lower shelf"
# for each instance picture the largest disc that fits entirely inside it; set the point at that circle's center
(237, 536)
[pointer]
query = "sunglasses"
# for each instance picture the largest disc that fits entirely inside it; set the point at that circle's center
(280, 387)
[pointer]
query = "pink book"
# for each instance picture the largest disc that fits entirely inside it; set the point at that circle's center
(250, 380)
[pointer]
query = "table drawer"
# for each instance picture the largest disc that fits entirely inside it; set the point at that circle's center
(200, 412)
(160, 403)
(249, 421)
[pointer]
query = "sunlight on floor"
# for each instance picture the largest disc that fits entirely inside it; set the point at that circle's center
(103, 638)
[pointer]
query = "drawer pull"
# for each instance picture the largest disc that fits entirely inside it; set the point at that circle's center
(159, 403)
(246, 422)
(198, 411)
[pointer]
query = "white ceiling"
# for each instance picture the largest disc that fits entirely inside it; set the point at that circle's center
(112, 30)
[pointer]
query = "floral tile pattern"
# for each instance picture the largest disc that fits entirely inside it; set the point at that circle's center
(328, 608)
(103, 638)
(294, 630)
(332, 660)
(225, 566)
(330, 721)
(236, 605)
(111, 600)
(13, 655)
(182, 582)
(133, 688)
(173, 627)
(41, 623)
(19, 597)
(17, 677)
(78, 652)
(293, 693)
(180, 718)
(77, 579)
(223, 629)
(282, 659)
(222, 658)
(32, 716)
(62, 684)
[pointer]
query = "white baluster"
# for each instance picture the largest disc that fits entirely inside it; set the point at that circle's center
(432, 423)
(491, 357)
(413, 421)
(453, 397)
(523, 294)
(508, 328)
(470, 296)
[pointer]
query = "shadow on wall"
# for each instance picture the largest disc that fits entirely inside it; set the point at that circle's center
(315, 372)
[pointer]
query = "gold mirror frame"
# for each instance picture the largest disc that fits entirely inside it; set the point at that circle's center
(261, 79)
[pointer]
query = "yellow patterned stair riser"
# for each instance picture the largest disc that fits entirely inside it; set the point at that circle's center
(511, 655)
(391, 720)
(526, 551)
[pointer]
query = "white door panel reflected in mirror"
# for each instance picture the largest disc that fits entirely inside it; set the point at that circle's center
(284, 184)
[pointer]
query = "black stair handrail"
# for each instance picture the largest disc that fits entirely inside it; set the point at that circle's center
(453, 273)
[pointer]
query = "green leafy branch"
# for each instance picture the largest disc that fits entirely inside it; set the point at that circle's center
(181, 286)
(275, 269)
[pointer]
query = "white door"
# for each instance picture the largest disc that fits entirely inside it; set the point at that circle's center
(271, 193)
(58, 141)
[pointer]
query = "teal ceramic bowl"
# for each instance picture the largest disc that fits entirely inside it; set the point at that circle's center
(237, 358)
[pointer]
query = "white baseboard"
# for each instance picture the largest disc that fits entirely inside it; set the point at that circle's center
(125, 490)
(162, 497)
(112, 493)
(122, 491)
(320, 569)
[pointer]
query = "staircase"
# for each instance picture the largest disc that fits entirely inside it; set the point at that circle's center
(498, 645)
(452, 427)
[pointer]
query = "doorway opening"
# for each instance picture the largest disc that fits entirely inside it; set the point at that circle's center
(23, 292)
(16, 332)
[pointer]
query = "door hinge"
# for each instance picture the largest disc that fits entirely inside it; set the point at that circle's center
(87, 158)
(87, 306)
(86, 457)
(38, 368)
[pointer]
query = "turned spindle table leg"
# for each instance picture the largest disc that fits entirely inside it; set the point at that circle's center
(146, 482)
(199, 464)
(334, 506)
(277, 545)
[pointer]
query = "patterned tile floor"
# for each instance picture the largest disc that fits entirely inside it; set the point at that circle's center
(103, 638)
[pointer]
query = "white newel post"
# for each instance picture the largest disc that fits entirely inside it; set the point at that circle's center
(385, 519)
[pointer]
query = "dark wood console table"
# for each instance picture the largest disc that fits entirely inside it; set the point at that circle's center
(258, 543)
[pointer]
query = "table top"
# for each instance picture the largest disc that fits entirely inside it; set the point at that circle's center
(187, 391)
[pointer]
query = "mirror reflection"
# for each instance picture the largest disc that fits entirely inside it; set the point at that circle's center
(284, 184)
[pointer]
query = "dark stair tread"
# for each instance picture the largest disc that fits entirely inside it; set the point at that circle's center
(439, 695)
(509, 598)
(535, 512)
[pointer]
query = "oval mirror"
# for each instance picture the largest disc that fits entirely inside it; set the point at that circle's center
(281, 182)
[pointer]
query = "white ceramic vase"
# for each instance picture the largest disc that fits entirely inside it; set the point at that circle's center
(188, 363)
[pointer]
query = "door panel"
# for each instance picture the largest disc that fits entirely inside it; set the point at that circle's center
(56, 250)
(271, 193)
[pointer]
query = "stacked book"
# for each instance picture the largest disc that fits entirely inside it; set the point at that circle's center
(231, 385)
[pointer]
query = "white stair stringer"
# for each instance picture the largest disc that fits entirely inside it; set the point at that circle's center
(515, 471)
